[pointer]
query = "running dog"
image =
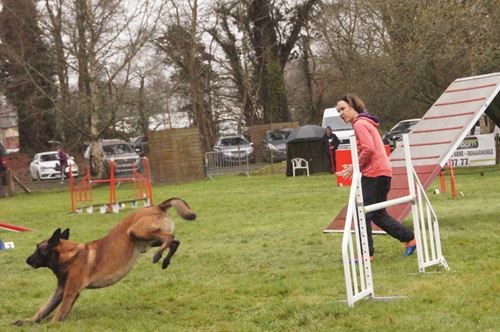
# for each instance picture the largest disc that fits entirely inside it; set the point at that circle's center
(103, 262)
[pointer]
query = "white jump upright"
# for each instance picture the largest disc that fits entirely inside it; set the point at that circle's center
(425, 221)
(355, 252)
(358, 277)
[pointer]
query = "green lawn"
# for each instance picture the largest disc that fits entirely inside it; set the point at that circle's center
(256, 260)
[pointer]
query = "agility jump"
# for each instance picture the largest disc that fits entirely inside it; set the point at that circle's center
(82, 192)
(355, 255)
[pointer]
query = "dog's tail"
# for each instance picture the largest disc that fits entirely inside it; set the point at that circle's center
(181, 206)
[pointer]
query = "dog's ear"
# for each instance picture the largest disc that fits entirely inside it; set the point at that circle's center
(54, 239)
(65, 234)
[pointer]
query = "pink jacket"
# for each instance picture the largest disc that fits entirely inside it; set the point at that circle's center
(373, 160)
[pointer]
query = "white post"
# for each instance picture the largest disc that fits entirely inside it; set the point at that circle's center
(433, 237)
(427, 234)
(355, 254)
(414, 206)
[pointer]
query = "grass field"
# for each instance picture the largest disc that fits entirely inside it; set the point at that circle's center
(256, 260)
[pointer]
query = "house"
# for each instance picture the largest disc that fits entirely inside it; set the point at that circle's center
(9, 133)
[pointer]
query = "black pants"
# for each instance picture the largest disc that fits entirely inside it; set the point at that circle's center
(63, 169)
(330, 162)
(3, 176)
(375, 190)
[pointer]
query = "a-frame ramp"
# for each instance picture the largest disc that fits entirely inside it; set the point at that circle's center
(436, 137)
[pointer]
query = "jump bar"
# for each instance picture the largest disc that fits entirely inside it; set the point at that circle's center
(386, 204)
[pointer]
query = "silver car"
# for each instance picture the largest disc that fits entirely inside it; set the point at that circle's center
(122, 154)
(393, 136)
(274, 145)
(235, 148)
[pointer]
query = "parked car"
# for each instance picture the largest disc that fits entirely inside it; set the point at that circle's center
(274, 144)
(124, 157)
(396, 133)
(235, 148)
(44, 166)
(140, 144)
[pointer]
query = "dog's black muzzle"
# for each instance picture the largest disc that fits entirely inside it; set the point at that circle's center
(33, 262)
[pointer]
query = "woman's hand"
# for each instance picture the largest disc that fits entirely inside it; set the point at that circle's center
(346, 173)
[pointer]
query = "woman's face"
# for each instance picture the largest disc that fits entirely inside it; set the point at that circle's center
(347, 113)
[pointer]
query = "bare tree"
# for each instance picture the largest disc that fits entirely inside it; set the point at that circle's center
(400, 55)
(274, 29)
(257, 37)
(97, 43)
(306, 85)
(183, 49)
(27, 69)
(237, 62)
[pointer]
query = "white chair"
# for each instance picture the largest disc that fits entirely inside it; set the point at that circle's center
(300, 163)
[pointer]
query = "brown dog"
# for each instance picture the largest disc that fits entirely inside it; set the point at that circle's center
(103, 262)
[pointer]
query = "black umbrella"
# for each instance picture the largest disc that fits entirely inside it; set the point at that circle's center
(306, 133)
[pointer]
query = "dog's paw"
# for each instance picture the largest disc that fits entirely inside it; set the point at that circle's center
(19, 322)
(165, 264)
(157, 257)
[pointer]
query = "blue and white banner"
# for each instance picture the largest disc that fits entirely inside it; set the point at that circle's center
(477, 150)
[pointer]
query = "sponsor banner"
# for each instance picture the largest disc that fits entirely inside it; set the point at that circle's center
(477, 150)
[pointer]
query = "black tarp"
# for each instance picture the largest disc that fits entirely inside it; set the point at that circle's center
(306, 142)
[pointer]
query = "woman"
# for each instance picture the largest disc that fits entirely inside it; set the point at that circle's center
(63, 161)
(375, 169)
(330, 144)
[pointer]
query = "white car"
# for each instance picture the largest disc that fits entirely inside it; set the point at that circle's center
(44, 164)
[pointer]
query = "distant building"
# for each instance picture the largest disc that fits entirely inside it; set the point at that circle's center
(9, 133)
(164, 121)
